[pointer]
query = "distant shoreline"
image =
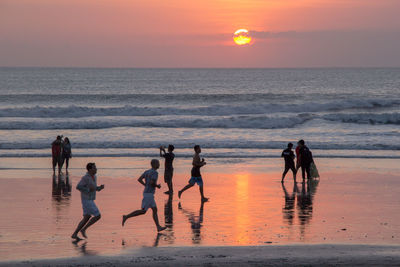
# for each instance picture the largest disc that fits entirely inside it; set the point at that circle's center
(274, 255)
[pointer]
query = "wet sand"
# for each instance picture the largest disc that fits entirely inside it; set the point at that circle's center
(355, 202)
(289, 255)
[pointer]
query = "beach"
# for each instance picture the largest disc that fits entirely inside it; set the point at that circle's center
(351, 208)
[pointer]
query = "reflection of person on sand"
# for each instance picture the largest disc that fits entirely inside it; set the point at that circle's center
(305, 202)
(195, 221)
(88, 187)
(169, 169)
(288, 208)
(81, 247)
(150, 183)
(288, 156)
(196, 176)
(61, 187)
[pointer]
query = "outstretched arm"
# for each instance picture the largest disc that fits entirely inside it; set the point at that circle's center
(162, 151)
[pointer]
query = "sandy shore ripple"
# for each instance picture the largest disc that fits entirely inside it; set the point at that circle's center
(287, 255)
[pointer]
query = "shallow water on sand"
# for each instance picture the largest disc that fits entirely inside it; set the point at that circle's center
(355, 201)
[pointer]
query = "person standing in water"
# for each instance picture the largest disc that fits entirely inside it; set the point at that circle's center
(196, 175)
(169, 169)
(149, 180)
(288, 155)
(88, 187)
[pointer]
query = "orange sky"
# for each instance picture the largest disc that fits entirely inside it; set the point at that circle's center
(192, 33)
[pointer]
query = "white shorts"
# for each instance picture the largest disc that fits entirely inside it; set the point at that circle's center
(148, 201)
(89, 208)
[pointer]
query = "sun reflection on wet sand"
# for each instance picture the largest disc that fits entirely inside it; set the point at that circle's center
(242, 207)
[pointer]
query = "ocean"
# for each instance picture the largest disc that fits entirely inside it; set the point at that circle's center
(231, 113)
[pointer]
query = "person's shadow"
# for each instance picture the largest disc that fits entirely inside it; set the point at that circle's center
(288, 208)
(196, 222)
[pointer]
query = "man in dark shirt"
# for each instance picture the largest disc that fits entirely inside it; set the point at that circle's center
(305, 159)
(169, 169)
(288, 155)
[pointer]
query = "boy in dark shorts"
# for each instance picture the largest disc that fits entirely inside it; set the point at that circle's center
(169, 169)
(288, 155)
(149, 180)
(196, 176)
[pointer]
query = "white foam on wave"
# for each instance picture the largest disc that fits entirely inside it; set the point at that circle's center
(266, 107)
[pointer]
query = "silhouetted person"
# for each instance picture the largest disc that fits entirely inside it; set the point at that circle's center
(88, 187)
(196, 175)
(149, 180)
(56, 149)
(66, 153)
(169, 169)
(195, 222)
(305, 158)
(288, 156)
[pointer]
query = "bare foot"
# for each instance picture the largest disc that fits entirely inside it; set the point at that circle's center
(76, 237)
(204, 199)
(161, 228)
(123, 220)
(179, 194)
(83, 233)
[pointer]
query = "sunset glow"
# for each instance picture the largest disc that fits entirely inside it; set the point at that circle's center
(242, 37)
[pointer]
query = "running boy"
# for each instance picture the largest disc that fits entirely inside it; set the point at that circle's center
(196, 176)
(88, 187)
(150, 183)
(169, 169)
(288, 155)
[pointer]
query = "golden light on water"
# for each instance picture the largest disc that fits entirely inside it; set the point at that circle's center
(242, 37)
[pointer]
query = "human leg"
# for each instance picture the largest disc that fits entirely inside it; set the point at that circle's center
(66, 164)
(203, 198)
(132, 214)
(81, 224)
(303, 172)
(284, 173)
(93, 220)
(189, 185)
(294, 172)
(155, 218)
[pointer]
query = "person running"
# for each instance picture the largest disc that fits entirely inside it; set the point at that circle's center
(88, 187)
(196, 176)
(56, 148)
(149, 180)
(305, 159)
(169, 169)
(288, 155)
(66, 153)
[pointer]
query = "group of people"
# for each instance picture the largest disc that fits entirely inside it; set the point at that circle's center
(61, 152)
(88, 188)
(88, 183)
(304, 160)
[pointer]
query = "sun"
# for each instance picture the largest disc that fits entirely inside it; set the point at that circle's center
(242, 37)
